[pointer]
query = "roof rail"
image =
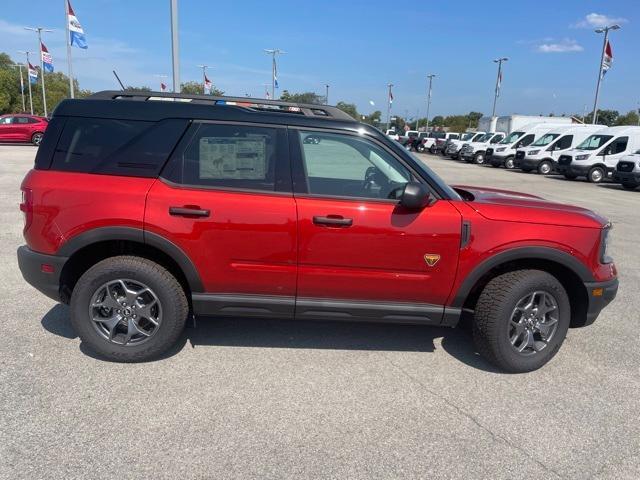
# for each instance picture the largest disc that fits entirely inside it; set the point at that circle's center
(255, 104)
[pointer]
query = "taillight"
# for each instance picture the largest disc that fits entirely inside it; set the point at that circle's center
(26, 206)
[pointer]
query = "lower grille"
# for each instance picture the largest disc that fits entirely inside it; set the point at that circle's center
(520, 155)
(625, 166)
(565, 160)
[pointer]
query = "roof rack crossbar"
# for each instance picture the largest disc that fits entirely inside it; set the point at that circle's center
(259, 104)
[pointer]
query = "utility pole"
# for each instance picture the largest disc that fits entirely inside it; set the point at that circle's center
(19, 66)
(174, 46)
(326, 96)
(66, 22)
(604, 30)
(430, 77)
(28, 80)
(498, 82)
(204, 78)
(39, 30)
(389, 101)
(274, 52)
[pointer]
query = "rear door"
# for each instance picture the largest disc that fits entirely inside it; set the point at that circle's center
(7, 129)
(23, 128)
(360, 254)
(225, 199)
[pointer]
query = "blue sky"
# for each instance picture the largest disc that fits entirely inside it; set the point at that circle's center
(357, 47)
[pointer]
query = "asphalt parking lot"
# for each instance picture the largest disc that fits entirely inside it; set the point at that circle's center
(279, 399)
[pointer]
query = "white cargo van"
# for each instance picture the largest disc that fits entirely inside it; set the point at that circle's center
(597, 156)
(542, 155)
(627, 171)
(453, 146)
(474, 152)
(503, 153)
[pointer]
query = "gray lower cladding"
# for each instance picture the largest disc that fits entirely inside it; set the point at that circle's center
(271, 306)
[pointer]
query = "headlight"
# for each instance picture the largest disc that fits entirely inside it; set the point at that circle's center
(501, 149)
(605, 245)
(533, 152)
(581, 157)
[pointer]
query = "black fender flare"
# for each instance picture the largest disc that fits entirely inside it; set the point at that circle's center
(137, 235)
(520, 253)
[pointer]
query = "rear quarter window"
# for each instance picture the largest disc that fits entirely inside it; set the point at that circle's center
(116, 147)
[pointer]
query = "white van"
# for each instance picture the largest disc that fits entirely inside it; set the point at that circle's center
(453, 147)
(597, 156)
(503, 154)
(474, 152)
(628, 171)
(542, 155)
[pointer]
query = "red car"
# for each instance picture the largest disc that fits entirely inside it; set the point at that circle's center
(139, 213)
(22, 128)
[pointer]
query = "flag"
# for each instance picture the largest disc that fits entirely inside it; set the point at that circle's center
(499, 84)
(607, 59)
(267, 95)
(47, 60)
(76, 33)
(207, 85)
(33, 73)
(163, 87)
(390, 96)
(275, 73)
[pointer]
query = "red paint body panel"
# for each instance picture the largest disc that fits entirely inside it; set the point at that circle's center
(247, 244)
(67, 204)
(21, 132)
(381, 255)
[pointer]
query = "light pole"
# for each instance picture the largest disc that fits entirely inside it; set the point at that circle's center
(274, 52)
(39, 30)
(204, 78)
(389, 102)
(28, 79)
(604, 30)
(326, 96)
(19, 67)
(498, 82)
(175, 61)
(430, 77)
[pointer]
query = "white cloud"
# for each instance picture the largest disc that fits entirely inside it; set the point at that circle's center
(563, 46)
(596, 20)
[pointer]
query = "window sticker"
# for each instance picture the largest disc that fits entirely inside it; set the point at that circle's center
(233, 158)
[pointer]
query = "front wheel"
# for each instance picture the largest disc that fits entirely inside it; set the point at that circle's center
(128, 309)
(595, 175)
(478, 158)
(509, 163)
(521, 320)
(420, 148)
(545, 167)
(36, 138)
(432, 150)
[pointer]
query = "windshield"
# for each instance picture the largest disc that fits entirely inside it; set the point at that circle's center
(436, 179)
(594, 141)
(485, 138)
(467, 136)
(477, 137)
(545, 140)
(512, 137)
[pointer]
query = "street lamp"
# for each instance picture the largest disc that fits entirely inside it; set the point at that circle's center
(498, 82)
(604, 30)
(430, 77)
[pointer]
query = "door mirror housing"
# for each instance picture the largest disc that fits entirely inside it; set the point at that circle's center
(415, 196)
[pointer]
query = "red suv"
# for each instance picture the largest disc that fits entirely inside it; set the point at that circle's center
(22, 128)
(141, 211)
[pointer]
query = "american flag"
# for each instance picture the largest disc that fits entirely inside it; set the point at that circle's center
(608, 58)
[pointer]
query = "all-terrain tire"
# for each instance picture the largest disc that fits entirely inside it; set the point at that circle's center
(168, 290)
(493, 313)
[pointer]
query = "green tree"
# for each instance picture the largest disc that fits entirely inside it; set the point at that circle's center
(143, 88)
(349, 108)
(305, 97)
(374, 118)
(629, 118)
(605, 117)
(196, 88)
(437, 121)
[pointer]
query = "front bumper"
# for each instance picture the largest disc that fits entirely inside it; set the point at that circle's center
(496, 160)
(579, 170)
(627, 177)
(41, 271)
(600, 295)
(531, 163)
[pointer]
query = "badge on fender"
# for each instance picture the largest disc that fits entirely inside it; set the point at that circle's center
(431, 258)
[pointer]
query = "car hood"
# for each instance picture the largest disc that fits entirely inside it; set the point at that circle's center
(509, 206)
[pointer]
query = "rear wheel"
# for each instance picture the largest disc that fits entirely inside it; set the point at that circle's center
(521, 320)
(432, 150)
(36, 138)
(478, 158)
(596, 175)
(128, 309)
(545, 167)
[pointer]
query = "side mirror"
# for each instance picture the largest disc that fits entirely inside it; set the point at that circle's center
(415, 196)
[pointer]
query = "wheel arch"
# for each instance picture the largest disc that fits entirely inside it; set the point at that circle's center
(90, 247)
(571, 273)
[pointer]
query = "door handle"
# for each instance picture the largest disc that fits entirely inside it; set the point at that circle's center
(334, 220)
(188, 212)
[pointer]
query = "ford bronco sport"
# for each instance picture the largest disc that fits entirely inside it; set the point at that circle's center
(145, 208)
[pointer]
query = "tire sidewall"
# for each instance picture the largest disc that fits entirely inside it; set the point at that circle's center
(173, 314)
(592, 171)
(541, 167)
(479, 158)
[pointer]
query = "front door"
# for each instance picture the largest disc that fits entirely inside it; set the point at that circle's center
(360, 254)
(225, 199)
(7, 129)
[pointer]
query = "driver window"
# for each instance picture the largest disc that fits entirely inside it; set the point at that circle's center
(350, 166)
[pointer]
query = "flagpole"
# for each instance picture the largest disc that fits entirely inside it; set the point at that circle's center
(430, 77)
(389, 107)
(498, 82)
(29, 80)
(66, 10)
(175, 60)
(273, 52)
(24, 107)
(204, 78)
(606, 29)
(39, 30)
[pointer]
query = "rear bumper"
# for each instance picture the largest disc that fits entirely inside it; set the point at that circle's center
(627, 177)
(600, 295)
(32, 265)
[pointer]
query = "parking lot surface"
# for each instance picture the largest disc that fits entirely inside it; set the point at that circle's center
(279, 399)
